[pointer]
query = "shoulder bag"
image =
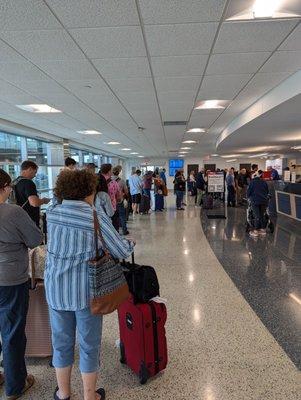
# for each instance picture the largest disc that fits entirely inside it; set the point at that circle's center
(108, 287)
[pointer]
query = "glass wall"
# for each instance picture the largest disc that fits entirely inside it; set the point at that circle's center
(10, 148)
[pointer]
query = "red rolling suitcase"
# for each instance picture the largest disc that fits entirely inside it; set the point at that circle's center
(143, 345)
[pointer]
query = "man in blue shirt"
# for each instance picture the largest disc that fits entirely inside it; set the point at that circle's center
(135, 183)
(163, 176)
(274, 174)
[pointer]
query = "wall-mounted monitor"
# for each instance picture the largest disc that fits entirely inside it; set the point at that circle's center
(175, 165)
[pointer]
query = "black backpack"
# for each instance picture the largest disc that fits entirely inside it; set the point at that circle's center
(142, 281)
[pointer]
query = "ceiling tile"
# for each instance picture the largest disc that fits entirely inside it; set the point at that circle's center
(7, 54)
(136, 67)
(95, 13)
(179, 65)
(175, 115)
(283, 61)
(179, 11)
(45, 87)
(111, 42)
(43, 45)
(180, 39)
(137, 96)
(177, 83)
(236, 63)
(85, 87)
(18, 15)
(293, 42)
(221, 87)
(239, 37)
(183, 96)
(18, 72)
(204, 118)
(69, 69)
(131, 84)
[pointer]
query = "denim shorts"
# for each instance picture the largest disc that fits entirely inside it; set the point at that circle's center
(64, 325)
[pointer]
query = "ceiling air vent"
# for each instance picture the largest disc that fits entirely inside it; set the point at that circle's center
(175, 123)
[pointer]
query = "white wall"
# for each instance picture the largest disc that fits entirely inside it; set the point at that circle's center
(220, 163)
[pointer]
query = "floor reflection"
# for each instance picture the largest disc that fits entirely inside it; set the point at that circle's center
(266, 270)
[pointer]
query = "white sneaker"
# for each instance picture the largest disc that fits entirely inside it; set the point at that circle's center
(254, 233)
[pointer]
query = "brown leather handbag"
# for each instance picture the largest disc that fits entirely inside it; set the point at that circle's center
(108, 287)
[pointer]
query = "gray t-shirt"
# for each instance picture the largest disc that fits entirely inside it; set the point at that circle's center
(18, 232)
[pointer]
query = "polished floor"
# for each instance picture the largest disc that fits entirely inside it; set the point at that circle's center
(218, 347)
(266, 270)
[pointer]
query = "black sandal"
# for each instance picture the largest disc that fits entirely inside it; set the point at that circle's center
(56, 397)
(102, 393)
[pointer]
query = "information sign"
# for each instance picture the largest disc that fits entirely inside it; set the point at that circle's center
(216, 182)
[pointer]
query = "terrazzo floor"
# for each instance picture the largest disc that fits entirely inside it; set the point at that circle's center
(218, 347)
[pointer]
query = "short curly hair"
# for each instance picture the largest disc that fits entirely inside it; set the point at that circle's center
(75, 185)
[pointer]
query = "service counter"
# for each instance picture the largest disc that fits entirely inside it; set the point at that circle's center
(288, 200)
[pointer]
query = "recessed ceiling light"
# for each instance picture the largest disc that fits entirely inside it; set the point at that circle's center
(196, 130)
(113, 143)
(214, 155)
(181, 155)
(183, 152)
(230, 156)
(90, 132)
(140, 156)
(296, 147)
(134, 153)
(265, 8)
(211, 105)
(126, 149)
(189, 141)
(185, 148)
(258, 155)
(235, 159)
(38, 108)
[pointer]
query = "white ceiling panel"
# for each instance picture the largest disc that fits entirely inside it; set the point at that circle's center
(236, 63)
(179, 11)
(7, 90)
(111, 42)
(7, 54)
(45, 87)
(69, 69)
(183, 96)
(85, 87)
(131, 84)
(26, 14)
(177, 83)
(249, 36)
(179, 114)
(18, 72)
(137, 96)
(43, 45)
(95, 13)
(179, 65)
(203, 118)
(136, 67)
(146, 107)
(283, 61)
(222, 87)
(293, 42)
(21, 98)
(180, 39)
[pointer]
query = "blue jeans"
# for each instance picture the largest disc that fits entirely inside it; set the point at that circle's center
(259, 213)
(179, 198)
(13, 311)
(159, 202)
(89, 328)
(122, 217)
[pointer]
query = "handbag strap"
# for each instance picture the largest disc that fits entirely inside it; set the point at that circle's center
(98, 234)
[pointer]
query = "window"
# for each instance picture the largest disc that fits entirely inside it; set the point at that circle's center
(37, 151)
(10, 148)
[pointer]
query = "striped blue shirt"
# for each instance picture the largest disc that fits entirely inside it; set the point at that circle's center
(70, 246)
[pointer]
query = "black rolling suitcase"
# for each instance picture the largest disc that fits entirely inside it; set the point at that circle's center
(145, 204)
(208, 202)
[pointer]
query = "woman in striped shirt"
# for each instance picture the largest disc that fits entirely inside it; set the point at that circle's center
(70, 247)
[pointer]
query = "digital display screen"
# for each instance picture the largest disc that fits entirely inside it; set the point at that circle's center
(175, 165)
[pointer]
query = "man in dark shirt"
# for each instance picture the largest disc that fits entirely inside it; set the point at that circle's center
(26, 191)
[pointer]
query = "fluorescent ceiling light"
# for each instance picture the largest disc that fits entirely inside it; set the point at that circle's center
(181, 155)
(112, 143)
(230, 156)
(134, 153)
(265, 8)
(211, 104)
(296, 298)
(296, 147)
(214, 155)
(189, 141)
(38, 108)
(183, 152)
(90, 132)
(185, 148)
(141, 156)
(196, 130)
(126, 149)
(235, 159)
(258, 155)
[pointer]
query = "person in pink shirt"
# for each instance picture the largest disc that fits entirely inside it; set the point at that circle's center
(113, 191)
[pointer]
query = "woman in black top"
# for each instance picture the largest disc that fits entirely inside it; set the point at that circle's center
(179, 187)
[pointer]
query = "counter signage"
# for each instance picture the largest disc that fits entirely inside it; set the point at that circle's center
(216, 182)
(287, 176)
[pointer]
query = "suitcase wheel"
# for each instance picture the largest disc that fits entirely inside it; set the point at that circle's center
(143, 374)
(122, 354)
